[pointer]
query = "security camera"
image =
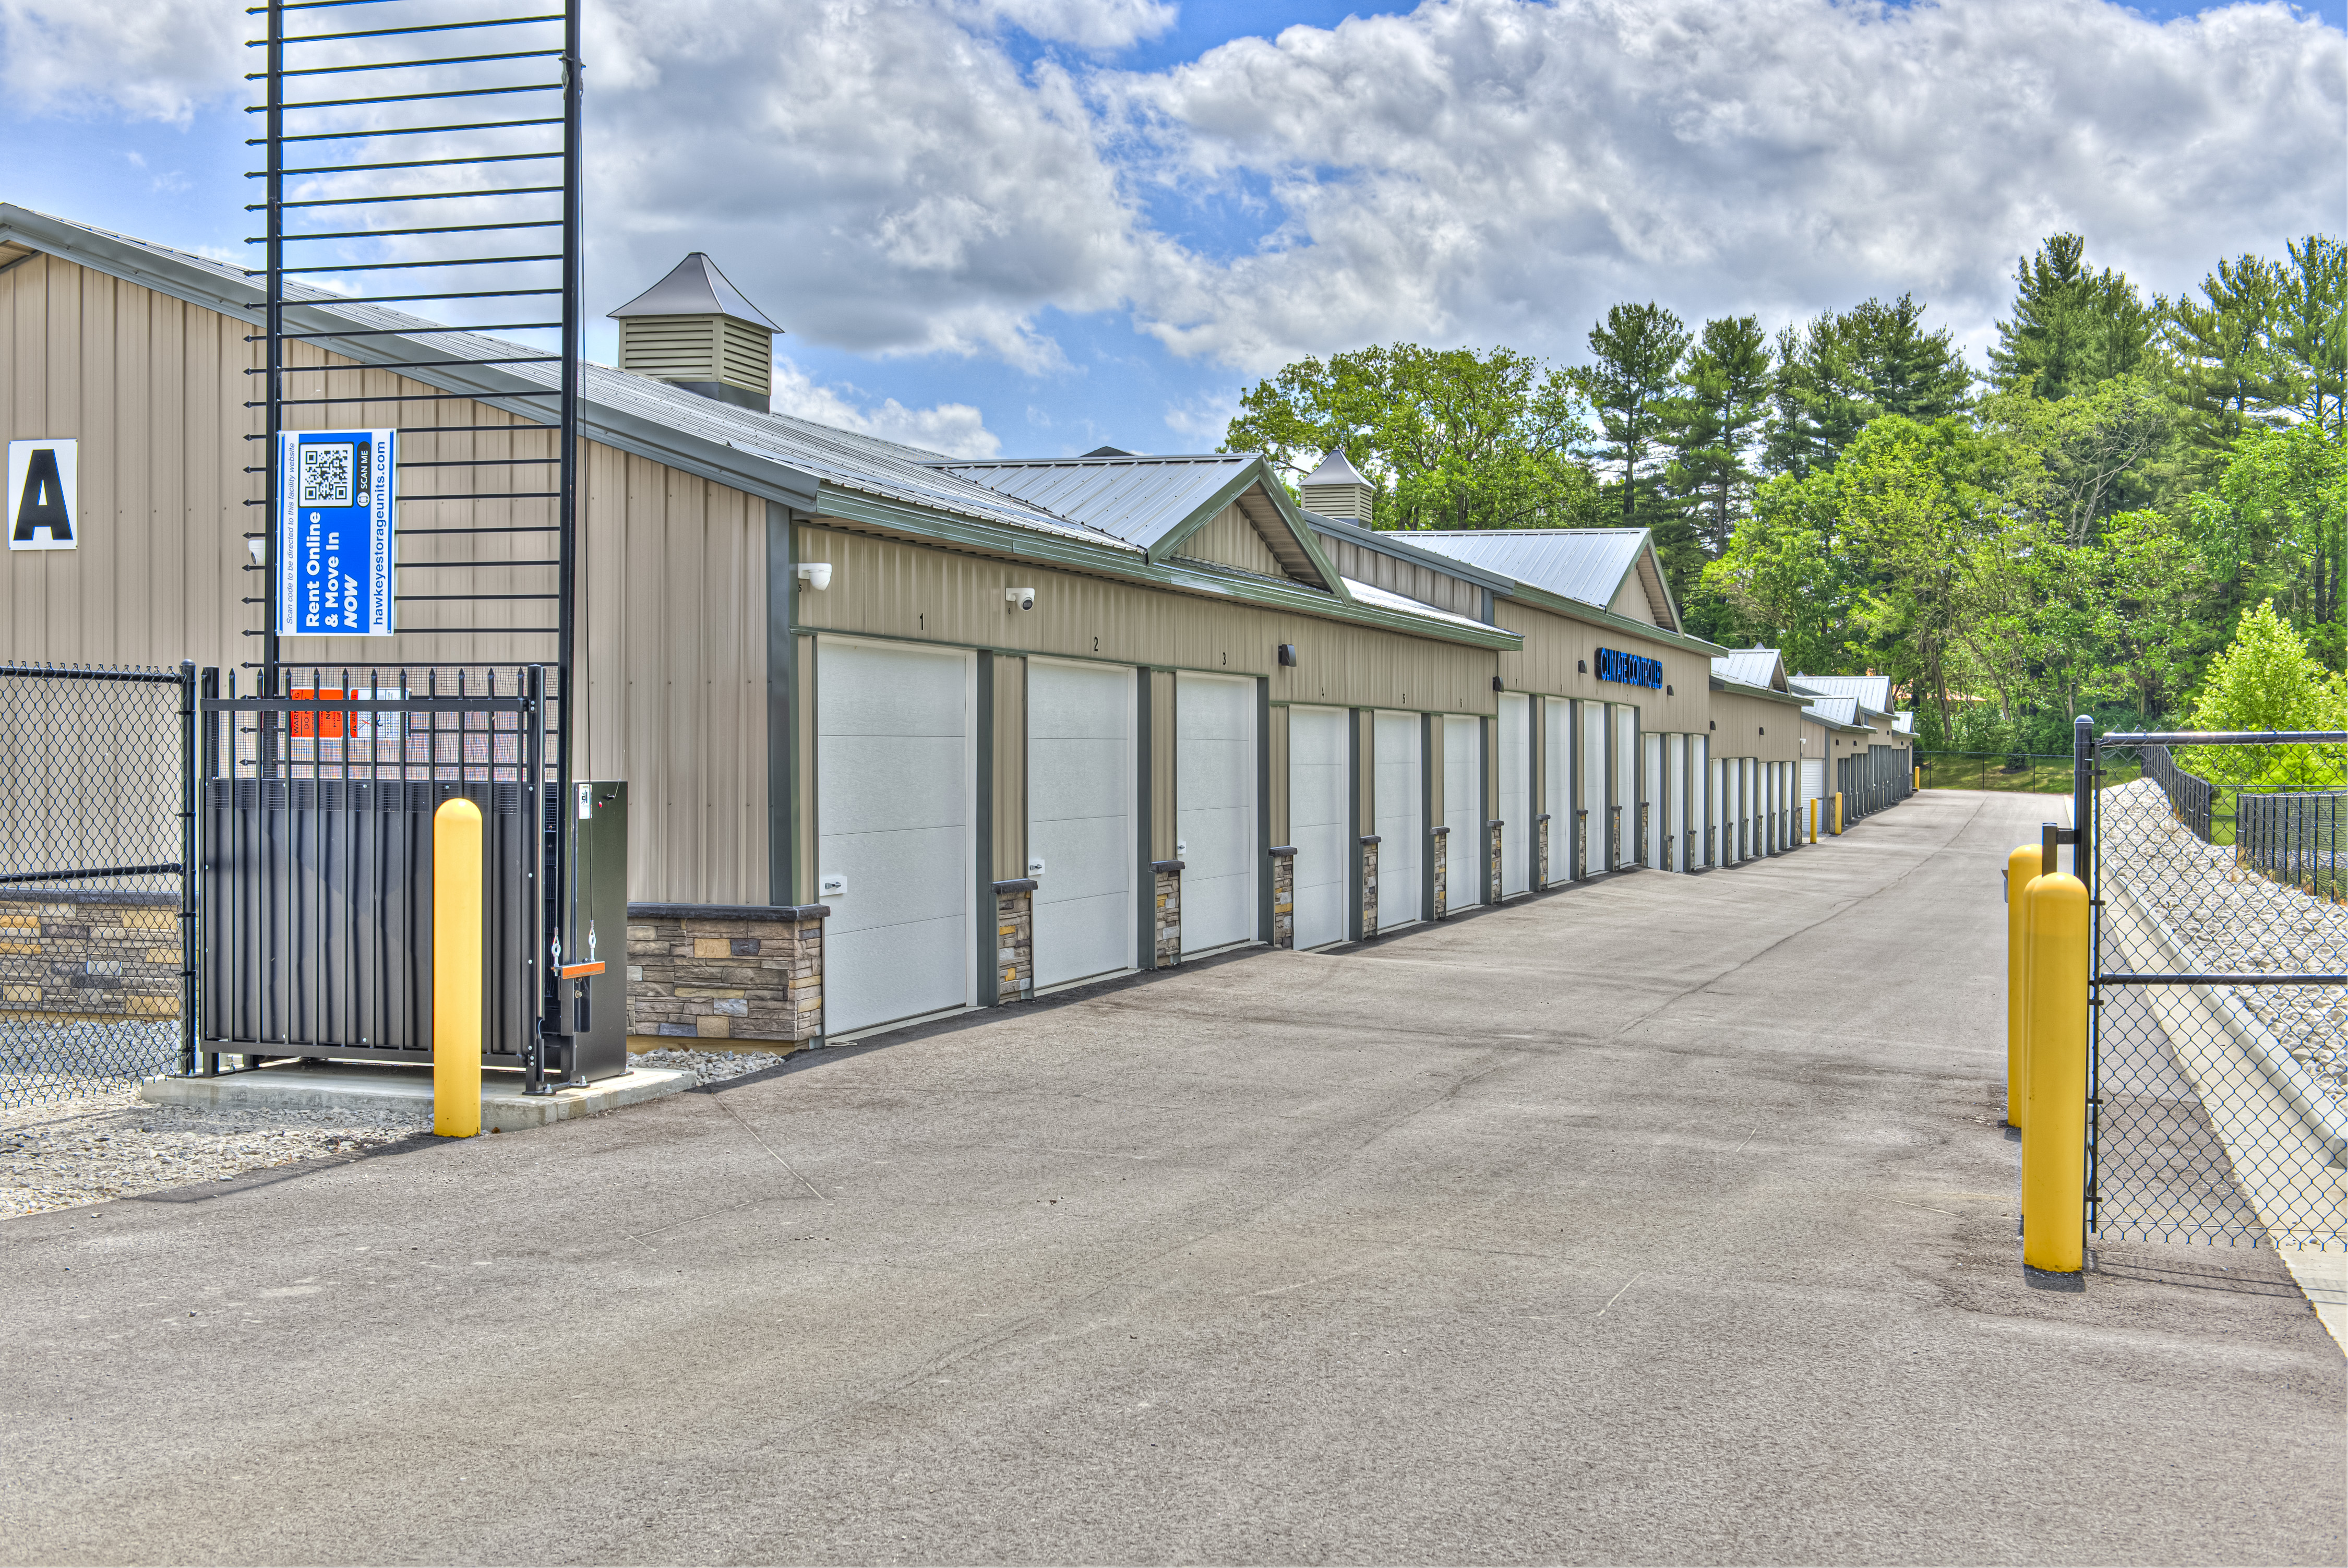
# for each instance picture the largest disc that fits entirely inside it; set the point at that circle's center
(1020, 598)
(816, 575)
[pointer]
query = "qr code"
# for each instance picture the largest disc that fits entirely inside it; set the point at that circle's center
(327, 474)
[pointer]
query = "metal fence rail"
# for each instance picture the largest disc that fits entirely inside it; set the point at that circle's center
(96, 932)
(2218, 1084)
(2298, 840)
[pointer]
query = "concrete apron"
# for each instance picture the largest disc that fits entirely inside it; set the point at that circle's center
(348, 1086)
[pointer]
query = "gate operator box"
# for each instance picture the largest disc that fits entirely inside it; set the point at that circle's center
(596, 1007)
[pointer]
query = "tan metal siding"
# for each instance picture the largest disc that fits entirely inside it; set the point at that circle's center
(1407, 578)
(1229, 538)
(1742, 721)
(1557, 646)
(671, 638)
(152, 390)
(895, 588)
(1010, 774)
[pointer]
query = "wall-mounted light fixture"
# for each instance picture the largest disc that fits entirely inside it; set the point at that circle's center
(1581, 667)
(1667, 691)
(1288, 655)
(1019, 598)
(1761, 729)
(1714, 723)
(816, 575)
(1496, 685)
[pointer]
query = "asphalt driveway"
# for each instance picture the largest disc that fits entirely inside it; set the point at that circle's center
(1667, 1218)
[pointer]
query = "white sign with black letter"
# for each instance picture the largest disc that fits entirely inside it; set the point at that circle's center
(42, 512)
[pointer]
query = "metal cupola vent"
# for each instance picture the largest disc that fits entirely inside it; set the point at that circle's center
(1334, 489)
(694, 329)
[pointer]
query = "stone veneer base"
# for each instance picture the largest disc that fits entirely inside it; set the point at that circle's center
(721, 972)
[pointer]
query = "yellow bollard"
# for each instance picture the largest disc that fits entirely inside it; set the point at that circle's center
(1814, 818)
(2054, 1125)
(1838, 828)
(2021, 866)
(457, 873)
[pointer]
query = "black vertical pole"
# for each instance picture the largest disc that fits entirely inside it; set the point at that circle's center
(188, 868)
(2083, 866)
(273, 307)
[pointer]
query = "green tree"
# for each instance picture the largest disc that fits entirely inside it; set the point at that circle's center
(2219, 343)
(1636, 355)
(1845, 368)
(1450, 437)
(2275, 527)
(1710, 427)
(2265, 680)
(2081, 460)
(2310, 335)
(2073, 328)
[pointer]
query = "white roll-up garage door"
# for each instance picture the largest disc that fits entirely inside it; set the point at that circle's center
(1398, 811)
(1080, 818)
(1699, 798)
(1650, 797)
(1814, 783)
(1515, 762)
(1463, 813)
(1716, 816)
(1625, 829)
(1317, 780)
(1557, 784)
(894, 804)
(1214, 809)
(1590, 811)
(1675, 802)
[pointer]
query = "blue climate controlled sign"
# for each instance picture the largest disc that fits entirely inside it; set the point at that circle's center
(1631, 669)
(334, 533)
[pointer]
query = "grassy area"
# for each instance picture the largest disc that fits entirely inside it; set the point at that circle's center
(2015, 772)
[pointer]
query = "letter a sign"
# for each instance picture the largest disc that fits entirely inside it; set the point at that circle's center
(41, 508)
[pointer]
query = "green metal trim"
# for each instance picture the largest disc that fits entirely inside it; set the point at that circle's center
(1592, 614)
(1257, 473)
(1104, 560)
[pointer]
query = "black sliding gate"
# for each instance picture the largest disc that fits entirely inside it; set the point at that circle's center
(314, 896)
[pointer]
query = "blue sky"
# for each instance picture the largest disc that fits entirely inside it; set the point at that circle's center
(1037, 226)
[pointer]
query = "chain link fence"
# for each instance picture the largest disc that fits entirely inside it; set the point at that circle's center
(95, 922)
(2218, 1097)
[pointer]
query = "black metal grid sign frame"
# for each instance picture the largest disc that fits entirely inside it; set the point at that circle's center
(427, 153)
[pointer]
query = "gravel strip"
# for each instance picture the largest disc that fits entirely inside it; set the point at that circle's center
(111, 1144)
(708, 1066)
(2231, 919)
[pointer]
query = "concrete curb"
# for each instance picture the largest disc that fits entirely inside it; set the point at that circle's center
(341, 1087)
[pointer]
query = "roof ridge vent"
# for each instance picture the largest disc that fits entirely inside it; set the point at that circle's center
(695, 331)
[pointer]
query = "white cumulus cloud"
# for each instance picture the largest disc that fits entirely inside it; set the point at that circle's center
(958, 177)
(954, 430)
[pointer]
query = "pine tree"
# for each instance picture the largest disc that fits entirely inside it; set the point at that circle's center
(2073, 328)
(2221, 345)
(1711, 424)
(1638, 349)
(1847, 368)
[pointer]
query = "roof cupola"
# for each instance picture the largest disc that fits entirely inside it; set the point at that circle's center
(1334, 489)
(693, 330)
